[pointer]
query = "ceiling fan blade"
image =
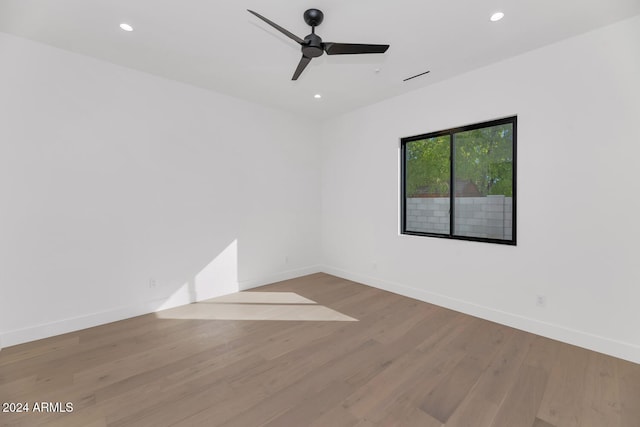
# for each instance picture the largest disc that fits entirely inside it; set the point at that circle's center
(353, 48)
(278, 27)
(304, 61)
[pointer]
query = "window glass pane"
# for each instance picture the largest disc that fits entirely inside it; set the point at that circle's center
(427, 180)
(483, 184)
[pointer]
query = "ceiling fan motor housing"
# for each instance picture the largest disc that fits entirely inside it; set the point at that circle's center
(313, 46)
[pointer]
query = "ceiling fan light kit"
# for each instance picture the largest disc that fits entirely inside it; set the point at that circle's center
(312, 45)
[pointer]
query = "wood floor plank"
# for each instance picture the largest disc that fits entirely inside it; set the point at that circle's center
(521, 404)
(262, 391)
(283, 401)
(481, 405)
(37, 348)
(445, 398)
(400, 363)
(563, 399)
(474, 411)
(407, 367)
(600, 406)
(335, 417)
(541, 423)
(629, 389)
(403, 413)
(311, 409)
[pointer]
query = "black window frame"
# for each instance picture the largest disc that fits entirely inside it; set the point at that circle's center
(513, 120)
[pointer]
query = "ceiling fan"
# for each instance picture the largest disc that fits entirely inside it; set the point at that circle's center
(312, 45)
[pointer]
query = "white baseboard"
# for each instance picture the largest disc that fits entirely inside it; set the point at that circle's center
(622, 350)
(64, 326)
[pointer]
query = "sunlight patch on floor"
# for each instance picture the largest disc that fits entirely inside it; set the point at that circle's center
(262, 298)
(257, 306)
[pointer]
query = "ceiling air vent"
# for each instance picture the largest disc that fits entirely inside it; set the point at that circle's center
(417, 75)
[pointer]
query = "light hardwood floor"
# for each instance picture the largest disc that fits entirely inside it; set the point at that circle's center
(324, 352)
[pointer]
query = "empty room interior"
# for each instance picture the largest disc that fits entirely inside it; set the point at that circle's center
(327, 213)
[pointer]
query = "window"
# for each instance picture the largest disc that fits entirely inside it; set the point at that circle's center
(461, 183)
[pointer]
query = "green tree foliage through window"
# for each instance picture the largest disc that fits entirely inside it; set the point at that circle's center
(428, 165)
(485, 158)
(482, 156)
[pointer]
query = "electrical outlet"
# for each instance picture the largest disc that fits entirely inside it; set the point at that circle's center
(541, 301)
(152, 283)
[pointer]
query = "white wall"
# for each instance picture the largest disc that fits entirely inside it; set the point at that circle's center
(110, 177)
(578, 107)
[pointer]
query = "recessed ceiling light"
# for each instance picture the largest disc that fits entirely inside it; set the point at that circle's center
(317, 96)
(497, 16)
(126, 27)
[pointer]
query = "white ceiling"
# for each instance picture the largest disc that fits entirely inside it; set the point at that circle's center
(217, 44)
